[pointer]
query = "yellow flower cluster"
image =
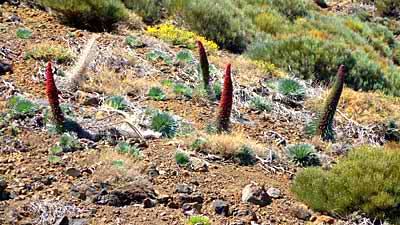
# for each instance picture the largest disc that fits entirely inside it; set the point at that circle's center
(270, 68)
(176, 36)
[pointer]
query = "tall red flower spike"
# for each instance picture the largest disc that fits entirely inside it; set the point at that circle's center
(225, 107)
(52, 95)
(204, 65)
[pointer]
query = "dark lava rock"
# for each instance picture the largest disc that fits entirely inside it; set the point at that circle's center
(256, 195)
(221, 207)
(5, 67)
(186, 198)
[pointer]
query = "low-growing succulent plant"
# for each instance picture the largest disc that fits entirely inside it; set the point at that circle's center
(156, 55)
(303, 155)
(117, 102)
(52, 96)
(260, 104)
(291, 88)
(69, 142)
(55, 150)
(126, 148)
(53, 159)
(119, 164)
(181, 89)
(24, 33)
(164, 123)
(157, 94)
(225, 107)
(325, 126)
(20, 106)
(181, 158)
(184, 56)
(197, 220)
(246, 156)
(133, 42)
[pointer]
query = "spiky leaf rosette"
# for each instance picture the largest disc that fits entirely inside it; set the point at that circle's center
(52, 95)
(225, 106)
(325, 127)
(204, 65)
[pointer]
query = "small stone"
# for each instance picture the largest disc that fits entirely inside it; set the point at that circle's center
(255, 195)
(5, 67)
(322, 220)
(62, 221)
(3, 185)
(173, 205)
(149, 203)
(186, 198)
(73, 172)
(302, 212)
(184, 188)
(152, 171)
(198, 165)
(221, 207)
(274, 192)
(192, 208)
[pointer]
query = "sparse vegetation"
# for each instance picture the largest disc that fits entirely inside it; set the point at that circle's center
(98, 15)
(69, 142)
(24, 33)
(291, 88)
(181, 158)
(365, 180)
(157, 94)
(126, 148)
(21, 107)
(203, 220)
(164, 123)
(303, 155)
(260, 104)
(117, 102)
(47, 51)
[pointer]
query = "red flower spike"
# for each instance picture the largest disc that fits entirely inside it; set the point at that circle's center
(52, 96)
(204, 65)
(225, 107)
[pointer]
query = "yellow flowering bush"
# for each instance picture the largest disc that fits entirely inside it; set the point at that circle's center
(270, 68)
(177, 36)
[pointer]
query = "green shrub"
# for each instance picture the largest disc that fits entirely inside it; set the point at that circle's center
(149, 10)
(157, 94)
(270, 22)
(366, 180)
(260, 104)
(24, 33)
(246, 156)
(155, 55)
(196, 220)
(97, 15)
(181, 158)
(198, 144)
(303, 155)
(53, 159)
(218, 20)
(184, 56)
(217, 90)
(117, 102)
(164, 123)
(293, 8)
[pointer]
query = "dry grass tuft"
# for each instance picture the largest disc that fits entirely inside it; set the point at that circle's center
(365, 107)
(110, 82)
(50, 50)
(229, 145)
(109, 168)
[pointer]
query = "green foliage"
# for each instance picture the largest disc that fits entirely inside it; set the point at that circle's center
(198, 144)
(21, 107)
(392, 131)
(55, 150)
(69, 142)
(291, 88)
(310, 129)
(133, 42)
(181, 158)
(164, 123)
(218, 20)
(246, 156)
(199, 220)
(217, 90)
(271, 22)
(181, 89)
(388, 7)
(117, 102)
(259, 103)
(119, 164)
(366, 180)
(53, 159)
(149, 10)
(184, 56)
(24, 33)
(97, 15)
(126, 148)
(293, 9)
(157, 94)
(48, 51)
(155, 55)
(303, 155)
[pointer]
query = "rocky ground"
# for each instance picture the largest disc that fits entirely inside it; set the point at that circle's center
(87, 187)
